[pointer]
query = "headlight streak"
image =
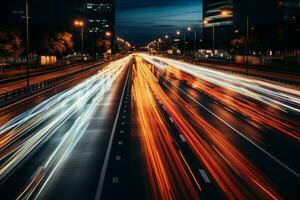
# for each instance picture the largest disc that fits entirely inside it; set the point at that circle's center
(219, 156)
(257, 89)
(273, 95)
(20, 138)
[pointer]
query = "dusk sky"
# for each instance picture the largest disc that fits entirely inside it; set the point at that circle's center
(140, 21)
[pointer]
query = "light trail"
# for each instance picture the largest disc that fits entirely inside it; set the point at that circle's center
(168, 172)
(241, 94)
(23, 134)
(236, 176)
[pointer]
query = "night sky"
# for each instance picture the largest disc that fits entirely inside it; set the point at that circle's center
(141, 21)
(138, 21)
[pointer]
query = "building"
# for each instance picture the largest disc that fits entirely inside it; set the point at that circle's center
(100, 18)
(232, 18)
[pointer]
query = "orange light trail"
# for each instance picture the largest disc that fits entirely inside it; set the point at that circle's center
(235, 175)
(169, 176)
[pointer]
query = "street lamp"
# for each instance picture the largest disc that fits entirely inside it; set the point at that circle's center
(189, 29)
(178, 33)
(224, 13)
(27, 42)
(206, 22)
(107, 34)
(79, 23)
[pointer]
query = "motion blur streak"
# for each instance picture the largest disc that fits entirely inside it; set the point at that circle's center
(169, 175)
(236, 176)
(241, 94)
(19, 138)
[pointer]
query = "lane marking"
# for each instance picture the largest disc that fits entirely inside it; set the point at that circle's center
(115, 180)
(120, 143)
(171, 119)
(182, 138)
(204, 176)
(105, 164)
(118, 158)
(241, 134)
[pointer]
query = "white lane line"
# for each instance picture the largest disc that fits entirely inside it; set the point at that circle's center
(204, 176)
(171, 119)
(120, 143)
(118, 158)
(241, 134)
(182, 138)
(115, 180)
(122, 131)
(105, 165)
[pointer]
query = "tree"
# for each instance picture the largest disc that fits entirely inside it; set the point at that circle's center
(58, 43)
(10, 42)
(239, 44)
(102, 45)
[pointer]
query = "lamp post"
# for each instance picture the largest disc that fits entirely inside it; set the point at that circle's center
(247, 38)
(178, 34)
(168, 45)
(80, 24)
(224, 13)
(27, 42)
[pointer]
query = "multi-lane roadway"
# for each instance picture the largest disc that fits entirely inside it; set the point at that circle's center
(148, 127)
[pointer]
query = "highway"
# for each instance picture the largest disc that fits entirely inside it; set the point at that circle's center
(150, 127)
(244, 132)
(67, 132)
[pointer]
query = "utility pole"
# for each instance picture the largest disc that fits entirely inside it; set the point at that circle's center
(213, 22)
(195, 39)
(27, 42)
(247, 39)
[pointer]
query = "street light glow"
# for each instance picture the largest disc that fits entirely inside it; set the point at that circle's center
(78, 23)
(107, 34)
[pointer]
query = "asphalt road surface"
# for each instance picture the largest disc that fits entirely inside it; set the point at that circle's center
(147, 127)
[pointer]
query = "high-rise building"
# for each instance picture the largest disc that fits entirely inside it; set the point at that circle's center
(100, 18)
(218, 20)
(231, 17)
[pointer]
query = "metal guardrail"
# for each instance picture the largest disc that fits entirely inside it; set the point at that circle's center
(18, 94)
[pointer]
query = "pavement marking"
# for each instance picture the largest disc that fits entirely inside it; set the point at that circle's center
(182, 138)
(171, 119)
(120, 143)
(123, 116)
(123, 123)
(115, 180)
(122, 131)
(118, 158)
(109, 147)
(125, 110)
(204, 176)
(241, 134)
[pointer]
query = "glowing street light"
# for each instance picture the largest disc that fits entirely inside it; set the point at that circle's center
(80, 24)
(107, 34)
